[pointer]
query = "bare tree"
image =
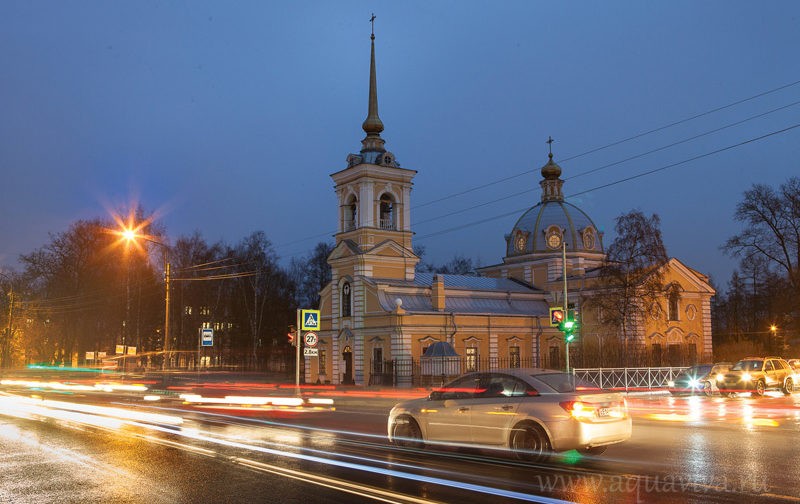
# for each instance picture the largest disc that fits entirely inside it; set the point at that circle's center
(311, 274)
(631, 278)
(772, 219)
(458, 265)
(78, 283)
(266, 295)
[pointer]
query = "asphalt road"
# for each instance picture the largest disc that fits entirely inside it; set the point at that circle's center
(693, 449)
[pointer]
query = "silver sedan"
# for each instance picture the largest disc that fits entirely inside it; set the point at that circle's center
(532, 412)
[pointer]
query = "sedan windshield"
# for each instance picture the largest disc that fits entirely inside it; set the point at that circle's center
(748, 365)
(563, 382)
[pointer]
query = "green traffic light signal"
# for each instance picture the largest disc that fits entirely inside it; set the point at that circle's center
(568, 327)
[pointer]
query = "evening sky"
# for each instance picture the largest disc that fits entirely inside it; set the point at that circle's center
(229, 117)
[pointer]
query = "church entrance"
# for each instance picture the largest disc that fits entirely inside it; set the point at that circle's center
(347, 355)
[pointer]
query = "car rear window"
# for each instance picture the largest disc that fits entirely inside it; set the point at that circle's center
(563, 382)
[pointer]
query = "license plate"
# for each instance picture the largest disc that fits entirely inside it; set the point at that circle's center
(603, 411)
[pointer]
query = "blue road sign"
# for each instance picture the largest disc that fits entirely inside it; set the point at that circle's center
(309, 320)
(207, 337)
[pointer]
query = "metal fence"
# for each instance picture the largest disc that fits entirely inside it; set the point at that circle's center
(413, 372)
(629, 379)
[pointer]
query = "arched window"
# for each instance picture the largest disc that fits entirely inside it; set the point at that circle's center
(351, 214)
(674, 296)
(347, 299)
(387, 212)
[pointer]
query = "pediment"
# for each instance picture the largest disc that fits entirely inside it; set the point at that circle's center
(688, 276)
(345, 248)
(389, 248)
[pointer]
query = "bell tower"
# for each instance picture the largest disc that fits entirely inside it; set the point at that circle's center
(373, 193)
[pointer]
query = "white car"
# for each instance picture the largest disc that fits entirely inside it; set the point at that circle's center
(531, 412)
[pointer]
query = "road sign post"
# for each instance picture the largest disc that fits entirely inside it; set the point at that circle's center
(297, 346)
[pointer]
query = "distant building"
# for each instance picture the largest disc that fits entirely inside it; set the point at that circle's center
(384, 322)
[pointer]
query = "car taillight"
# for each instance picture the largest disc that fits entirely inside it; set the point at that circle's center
(578, 409)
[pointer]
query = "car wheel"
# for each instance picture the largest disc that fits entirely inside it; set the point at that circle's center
(707, 390)
(594, 450)
(788, 386)
(529, 442)
(759, 391)
(406, 433)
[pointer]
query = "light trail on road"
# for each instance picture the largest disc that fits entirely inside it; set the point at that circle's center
(102, 417)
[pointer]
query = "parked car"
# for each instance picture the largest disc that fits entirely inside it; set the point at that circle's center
(701, 378)
(795, 364)
(531, 412)
(758, 374)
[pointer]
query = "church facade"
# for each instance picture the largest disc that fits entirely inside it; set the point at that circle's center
(382, 321)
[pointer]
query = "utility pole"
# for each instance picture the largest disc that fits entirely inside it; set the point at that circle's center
(6, 345)
(166, 305)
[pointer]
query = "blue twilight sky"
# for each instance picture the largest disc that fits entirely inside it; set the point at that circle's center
(229, 117)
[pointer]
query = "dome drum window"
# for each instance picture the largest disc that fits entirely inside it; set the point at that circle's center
(553, 237)
(520, 240)
(588, 238)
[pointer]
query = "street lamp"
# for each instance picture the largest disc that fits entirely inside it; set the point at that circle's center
(774, 330)
(131, 236)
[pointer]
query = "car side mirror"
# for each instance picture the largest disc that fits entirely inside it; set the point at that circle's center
(436, 395)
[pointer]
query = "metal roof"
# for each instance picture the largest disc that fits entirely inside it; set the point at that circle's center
(421, 303)
(565, 215)
(471, 282)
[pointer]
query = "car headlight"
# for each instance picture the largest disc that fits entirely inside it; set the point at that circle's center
(670, 383)
(720, 377)
(746, 377)
(694, 383)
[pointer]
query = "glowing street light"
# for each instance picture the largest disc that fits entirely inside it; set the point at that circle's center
(131, 236)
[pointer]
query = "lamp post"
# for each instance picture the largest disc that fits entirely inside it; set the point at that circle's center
(4, 349)
(773, 329)
(131, 235)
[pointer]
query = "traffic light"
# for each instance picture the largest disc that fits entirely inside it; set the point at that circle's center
(568, 327)
(290, 335)
(556, 316)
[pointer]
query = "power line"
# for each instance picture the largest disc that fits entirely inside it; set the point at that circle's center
(613, 144)
(632, 137)
(695, 158)
(637, 156)
(649, 172)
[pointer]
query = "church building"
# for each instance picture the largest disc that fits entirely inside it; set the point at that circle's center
(382, 322)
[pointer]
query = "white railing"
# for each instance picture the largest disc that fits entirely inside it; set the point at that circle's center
(387, 224)
(629, 379)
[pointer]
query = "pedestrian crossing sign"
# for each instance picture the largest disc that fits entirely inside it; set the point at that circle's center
(309, 320)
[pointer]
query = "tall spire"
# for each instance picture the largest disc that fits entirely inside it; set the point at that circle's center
(372, 124)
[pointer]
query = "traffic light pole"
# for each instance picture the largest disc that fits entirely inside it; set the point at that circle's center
(566, 303)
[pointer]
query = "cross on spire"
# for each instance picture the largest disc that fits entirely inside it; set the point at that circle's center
(372, 21)
(549, 143)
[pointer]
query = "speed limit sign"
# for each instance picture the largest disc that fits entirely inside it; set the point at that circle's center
(311, 339)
